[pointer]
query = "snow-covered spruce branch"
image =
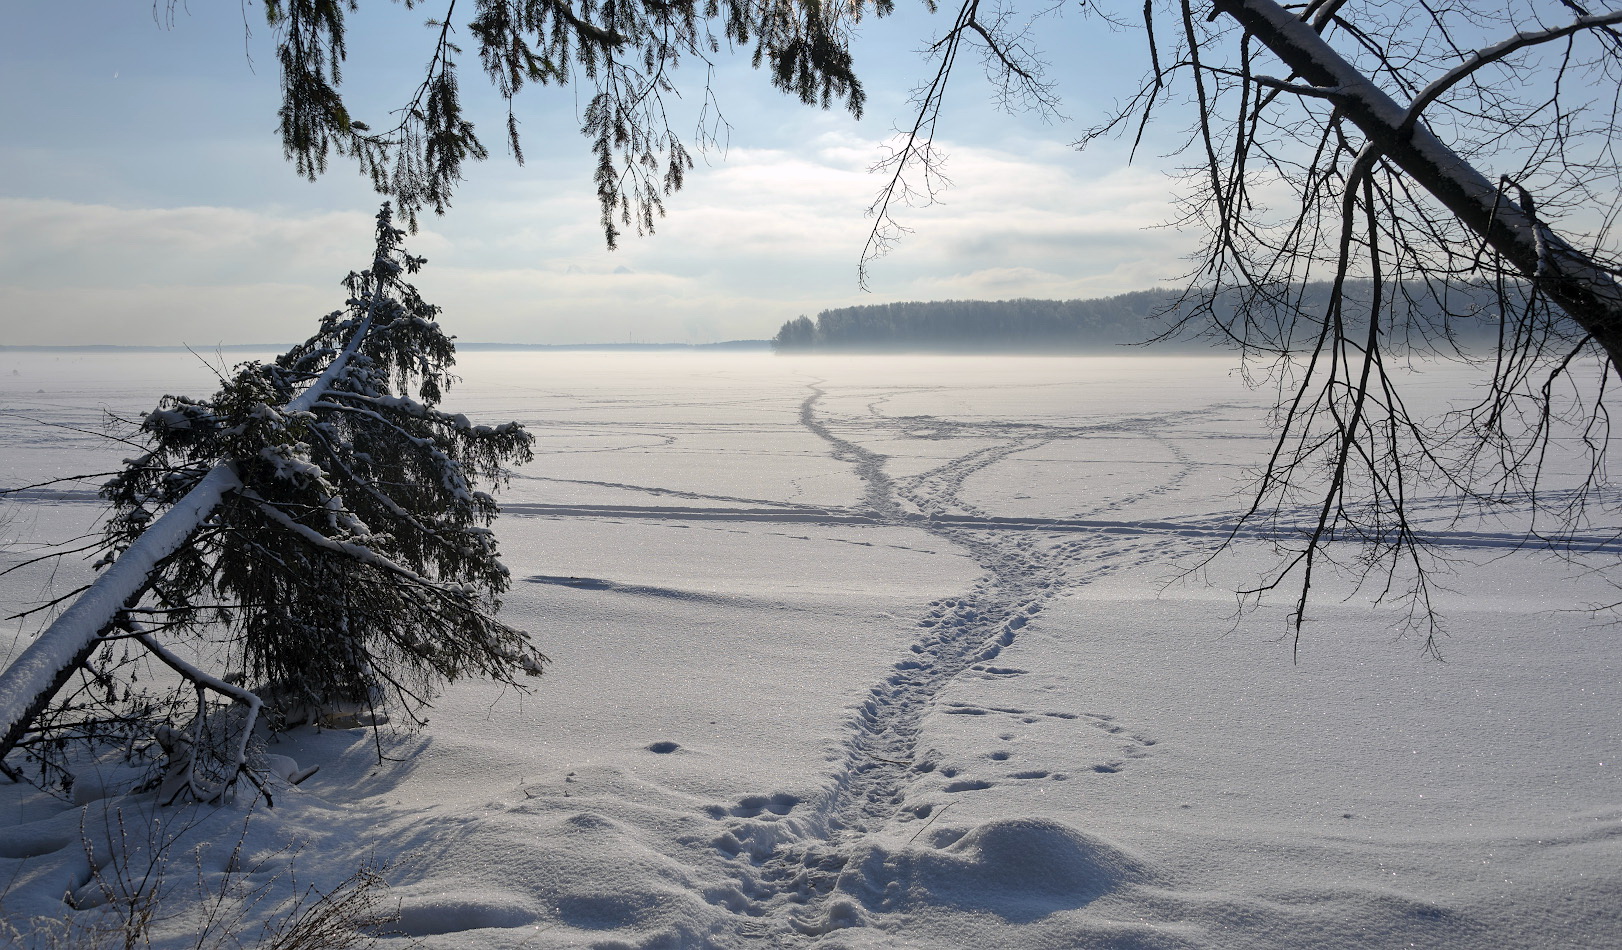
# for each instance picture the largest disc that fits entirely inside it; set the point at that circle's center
(377, 494)
(350, 549)
(182, 768)
(452, 478)
(418, 410)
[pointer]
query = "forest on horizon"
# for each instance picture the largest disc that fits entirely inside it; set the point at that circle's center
(1465, 318)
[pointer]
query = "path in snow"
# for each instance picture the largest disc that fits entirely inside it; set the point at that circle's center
(790, 871)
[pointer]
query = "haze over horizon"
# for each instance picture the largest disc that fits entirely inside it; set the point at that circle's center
(147, 201)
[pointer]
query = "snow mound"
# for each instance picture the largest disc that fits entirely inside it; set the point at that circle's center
(1021, 869)
(457, 912)
(583, 878)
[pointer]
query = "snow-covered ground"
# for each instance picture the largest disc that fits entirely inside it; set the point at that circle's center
(860, 653)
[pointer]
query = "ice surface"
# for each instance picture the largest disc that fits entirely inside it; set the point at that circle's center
(860, 653)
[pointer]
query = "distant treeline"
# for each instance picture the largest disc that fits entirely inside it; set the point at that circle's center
(1108, 324)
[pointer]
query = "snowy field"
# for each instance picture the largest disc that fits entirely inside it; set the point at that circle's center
(890, 653)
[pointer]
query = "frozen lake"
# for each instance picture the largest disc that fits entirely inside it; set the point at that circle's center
(898, 652)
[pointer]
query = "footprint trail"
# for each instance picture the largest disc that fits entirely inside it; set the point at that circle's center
(790, 860)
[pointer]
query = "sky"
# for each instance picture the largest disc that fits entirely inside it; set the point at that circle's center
(144, 198)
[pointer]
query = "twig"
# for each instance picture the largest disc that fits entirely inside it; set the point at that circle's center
(938, 812)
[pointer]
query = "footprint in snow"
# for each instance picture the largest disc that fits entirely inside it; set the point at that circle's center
(1125, 746)
(996, 672)
(754, 806)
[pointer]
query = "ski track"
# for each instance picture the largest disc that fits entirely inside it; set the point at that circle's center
(788, 855)
(1215, 526)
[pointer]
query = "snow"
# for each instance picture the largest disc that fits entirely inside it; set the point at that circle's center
(778, 717)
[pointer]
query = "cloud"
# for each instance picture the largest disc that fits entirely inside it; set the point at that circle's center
(199, 316)
(765, 236)
(88, 273)
(46, 243)
(800, 217)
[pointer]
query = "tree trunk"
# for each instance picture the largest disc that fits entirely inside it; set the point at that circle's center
(28, 684)
(1585, 291)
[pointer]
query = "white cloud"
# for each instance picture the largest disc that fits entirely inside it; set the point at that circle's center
(199, 316)
(1045, 211)
(52, 243)
(764, 236)
(85, 273)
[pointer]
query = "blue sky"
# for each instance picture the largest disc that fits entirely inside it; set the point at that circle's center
(144, 198)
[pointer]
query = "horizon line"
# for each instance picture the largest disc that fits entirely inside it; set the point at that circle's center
(184, 348)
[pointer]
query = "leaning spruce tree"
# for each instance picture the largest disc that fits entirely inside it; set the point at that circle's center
(348, 561)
